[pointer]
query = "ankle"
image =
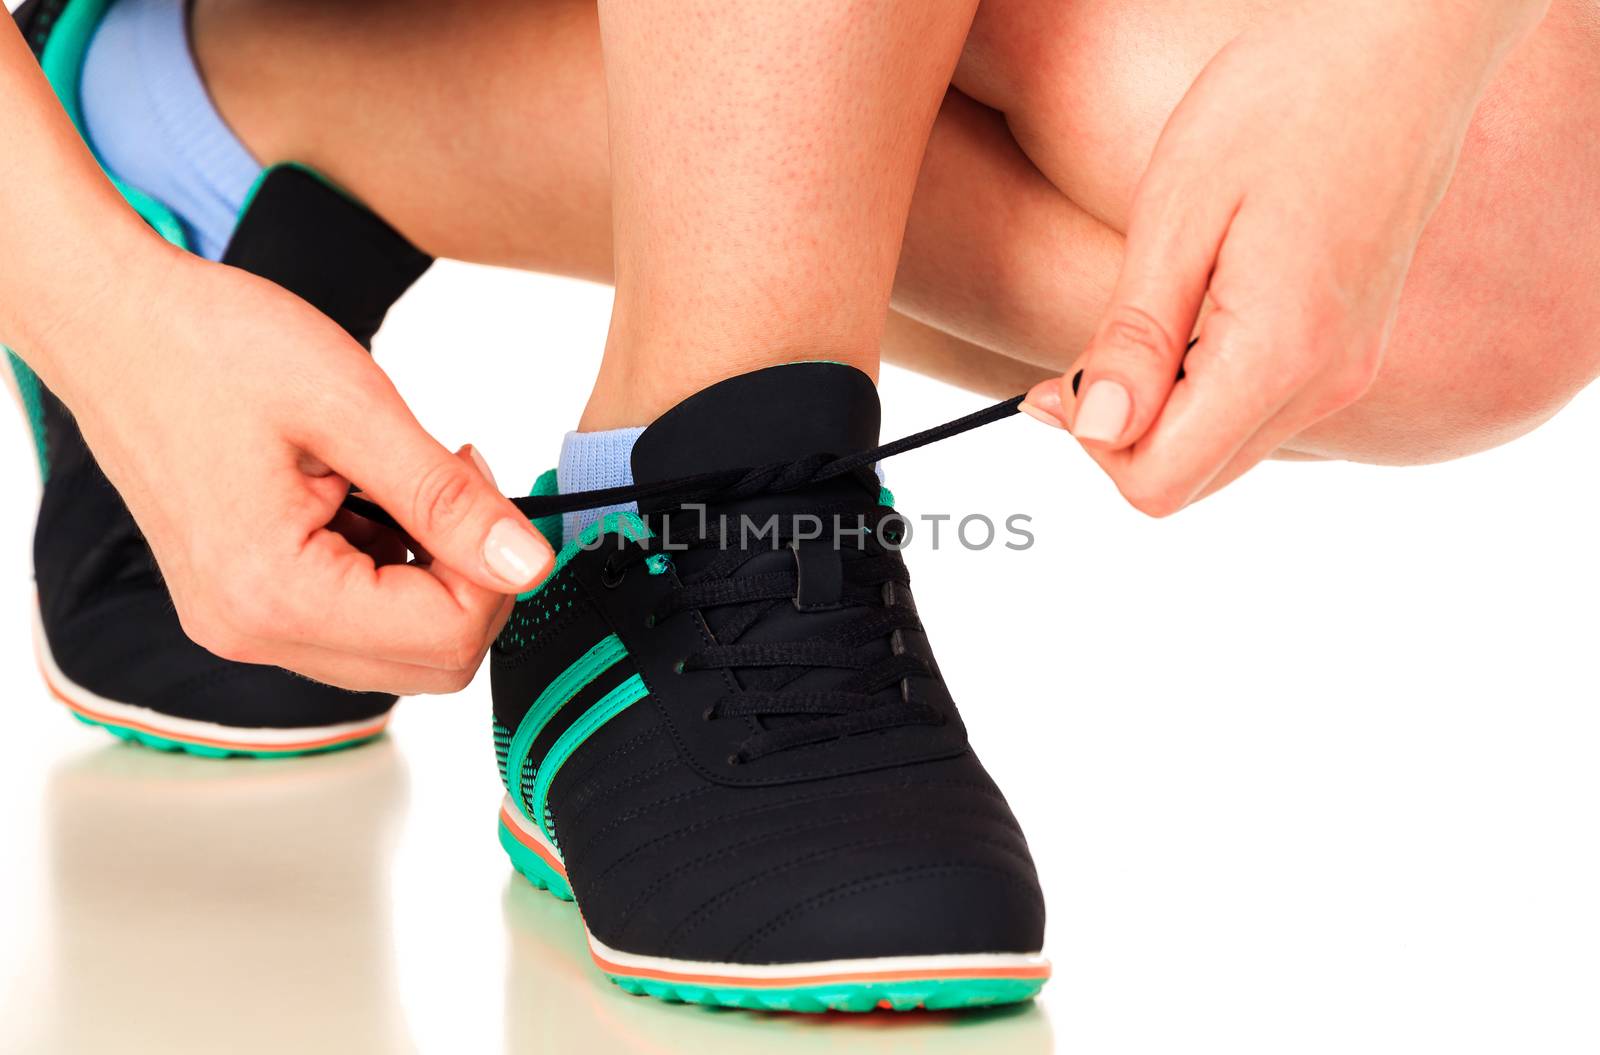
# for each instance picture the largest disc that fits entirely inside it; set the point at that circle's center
(637, 384)
(234, 56)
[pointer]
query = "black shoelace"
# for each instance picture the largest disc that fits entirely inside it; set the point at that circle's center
(871, 577)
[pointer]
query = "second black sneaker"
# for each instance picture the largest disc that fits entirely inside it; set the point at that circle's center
(108, 639)
(721, 730)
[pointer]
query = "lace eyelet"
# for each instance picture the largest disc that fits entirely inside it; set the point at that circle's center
(706, 715)
(611, 576)
(650, 621)
(677, 668)
(734, 760)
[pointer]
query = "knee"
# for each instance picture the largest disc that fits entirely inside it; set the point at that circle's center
(1428, 406)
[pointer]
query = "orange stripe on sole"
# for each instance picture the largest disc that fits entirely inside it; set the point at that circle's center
(1039, 971)
(517, 833)
(362, 733)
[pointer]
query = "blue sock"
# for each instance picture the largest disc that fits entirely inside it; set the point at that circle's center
(148, 118)
(590, 461)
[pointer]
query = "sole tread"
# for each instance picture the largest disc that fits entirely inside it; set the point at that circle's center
(932, 994)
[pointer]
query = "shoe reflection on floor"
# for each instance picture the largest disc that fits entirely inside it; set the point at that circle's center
(557, 1001)
(205, 905)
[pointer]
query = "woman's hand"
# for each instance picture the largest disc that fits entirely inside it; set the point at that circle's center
(232, 417)
(1275, 225)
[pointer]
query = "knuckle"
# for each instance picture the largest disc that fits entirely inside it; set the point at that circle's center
(215, 635)
(1133, 334)
(442, 497)
(1154, 498)
(250, 602)
(464, 654)
(1349, 382)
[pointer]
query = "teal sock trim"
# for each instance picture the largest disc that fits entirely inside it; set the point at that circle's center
(555, 696)
(607, 707)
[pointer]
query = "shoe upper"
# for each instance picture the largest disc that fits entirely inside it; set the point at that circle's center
(739, 739)
(107, 616)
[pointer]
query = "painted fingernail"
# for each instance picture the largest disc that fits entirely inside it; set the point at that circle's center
(483, 466)
(515, 554)
(1077, 379)
(1103, 413)
(1043, 403)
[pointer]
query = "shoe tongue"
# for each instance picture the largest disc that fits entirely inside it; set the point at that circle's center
(772, 415)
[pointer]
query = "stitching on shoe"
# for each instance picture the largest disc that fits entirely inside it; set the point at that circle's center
(869, 883)
(692, 922)
(1000, 814)
(699, 861)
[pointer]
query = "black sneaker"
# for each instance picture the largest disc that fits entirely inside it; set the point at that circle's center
(108, 637)
(728, 739)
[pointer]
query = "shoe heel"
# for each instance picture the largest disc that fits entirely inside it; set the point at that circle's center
(532, 867)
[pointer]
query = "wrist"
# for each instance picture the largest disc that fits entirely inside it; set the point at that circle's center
(75, 297)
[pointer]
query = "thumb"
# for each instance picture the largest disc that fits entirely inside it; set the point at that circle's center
(446, 503)
(1131, 364)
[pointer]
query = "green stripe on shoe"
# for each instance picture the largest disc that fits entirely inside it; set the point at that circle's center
(555, 696)
(605, 709)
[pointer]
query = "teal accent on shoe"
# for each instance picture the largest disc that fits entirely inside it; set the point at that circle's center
(885, 497)
(628, 525)
(62, 63)
(28, 388)
(164, 743)
(533, 867)
(934, 994)
(604, 709)
(550, 526)
(556, 695)
(255, 188)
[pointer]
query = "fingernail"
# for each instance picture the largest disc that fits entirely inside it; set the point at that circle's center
(483, 466)
(1077, 379)
(1043, 403)
(1103, 413)
(515, 554)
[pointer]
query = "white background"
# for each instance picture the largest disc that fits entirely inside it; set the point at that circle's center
(1310, 767)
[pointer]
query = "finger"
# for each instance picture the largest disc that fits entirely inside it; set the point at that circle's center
(450, 509)
(1318, 401)
(378, 541)
(1233, 385)
(365, 674)
(1124, 378)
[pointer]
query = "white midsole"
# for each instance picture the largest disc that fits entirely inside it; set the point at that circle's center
(179, 728)
(959, 963)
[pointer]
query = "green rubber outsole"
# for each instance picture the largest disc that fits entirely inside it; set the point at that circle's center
(163, 743)
(931, 994)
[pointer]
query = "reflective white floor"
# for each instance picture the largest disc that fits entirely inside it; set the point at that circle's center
(189, 905)
(1310, 768)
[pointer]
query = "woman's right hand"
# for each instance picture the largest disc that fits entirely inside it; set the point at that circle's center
(233, 417)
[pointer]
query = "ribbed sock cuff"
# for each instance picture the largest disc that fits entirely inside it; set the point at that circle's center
(591, 461)
(152, 123)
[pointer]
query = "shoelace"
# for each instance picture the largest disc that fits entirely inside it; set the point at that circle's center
(872, 578)
(773, 478)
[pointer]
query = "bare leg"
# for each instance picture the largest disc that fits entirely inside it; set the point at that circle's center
(1498, 324)
(763, 160)
(499, 155)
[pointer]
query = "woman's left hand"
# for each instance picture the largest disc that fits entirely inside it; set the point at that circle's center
(1275, 225)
